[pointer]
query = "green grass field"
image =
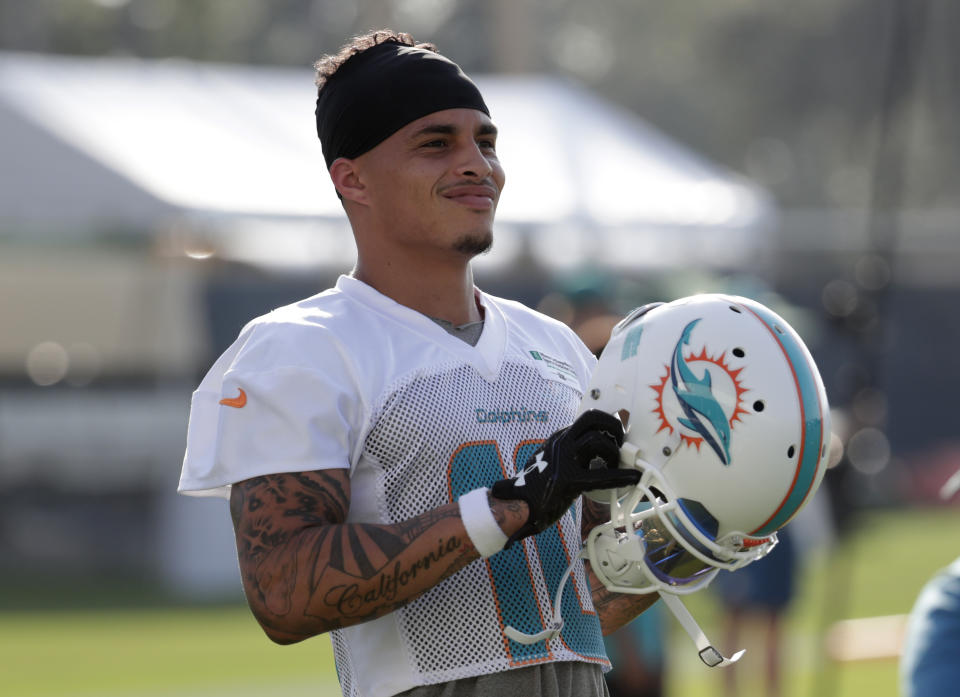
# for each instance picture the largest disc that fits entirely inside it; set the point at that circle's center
(153, 652)
(220, 652)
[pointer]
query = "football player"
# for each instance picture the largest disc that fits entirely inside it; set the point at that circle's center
(400, 452)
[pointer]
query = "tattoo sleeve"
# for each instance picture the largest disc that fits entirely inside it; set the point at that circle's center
(306, 571)
(614, 609)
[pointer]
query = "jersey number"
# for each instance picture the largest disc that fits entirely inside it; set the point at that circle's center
(479, 464)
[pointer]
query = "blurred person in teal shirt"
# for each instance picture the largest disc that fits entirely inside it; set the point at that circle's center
(930, 665)
(931, 650)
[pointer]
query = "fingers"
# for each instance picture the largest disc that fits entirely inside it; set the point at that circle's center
(609, 479)
(597, 444)
(597, 420)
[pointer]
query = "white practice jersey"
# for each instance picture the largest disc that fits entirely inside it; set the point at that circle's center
(351, 379)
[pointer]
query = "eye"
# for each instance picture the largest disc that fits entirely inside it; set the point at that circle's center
(438, 143)
(487, 144)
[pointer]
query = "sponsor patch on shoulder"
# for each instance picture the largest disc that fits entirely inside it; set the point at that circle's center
(555, 369)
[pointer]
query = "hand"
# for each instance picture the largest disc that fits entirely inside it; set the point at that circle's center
(582, 457)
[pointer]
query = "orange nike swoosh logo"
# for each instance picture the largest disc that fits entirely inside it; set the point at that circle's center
(239, 401)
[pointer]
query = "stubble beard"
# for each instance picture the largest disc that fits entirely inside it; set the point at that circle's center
(474, 243)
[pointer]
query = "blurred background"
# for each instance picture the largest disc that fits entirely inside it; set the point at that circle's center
(161, 184)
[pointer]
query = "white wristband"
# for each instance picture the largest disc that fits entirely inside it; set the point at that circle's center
(481, 526)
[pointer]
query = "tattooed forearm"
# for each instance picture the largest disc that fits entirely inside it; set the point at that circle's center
(414, 527)
(616, 609)
(306, 571)
(594, 514)
(352, 600)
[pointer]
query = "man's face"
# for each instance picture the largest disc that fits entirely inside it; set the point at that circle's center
(436, 182)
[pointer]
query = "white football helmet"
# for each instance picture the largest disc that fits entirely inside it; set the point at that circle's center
(727, 419)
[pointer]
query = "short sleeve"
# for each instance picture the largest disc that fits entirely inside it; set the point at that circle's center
(588, 363)
(256, 422)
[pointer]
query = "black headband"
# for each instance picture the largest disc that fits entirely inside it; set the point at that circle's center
(380, 90)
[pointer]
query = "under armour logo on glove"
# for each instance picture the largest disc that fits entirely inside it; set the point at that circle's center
(582, 457)
(539, 465)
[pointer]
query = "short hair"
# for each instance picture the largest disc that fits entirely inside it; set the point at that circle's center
(330, 64)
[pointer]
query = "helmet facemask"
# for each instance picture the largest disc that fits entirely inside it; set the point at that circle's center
(655, 541)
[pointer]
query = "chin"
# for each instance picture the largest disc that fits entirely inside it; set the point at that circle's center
(474, 243)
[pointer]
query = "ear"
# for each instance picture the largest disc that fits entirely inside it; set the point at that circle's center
(347, 181)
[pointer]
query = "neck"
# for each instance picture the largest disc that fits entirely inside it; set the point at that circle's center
(431, 287)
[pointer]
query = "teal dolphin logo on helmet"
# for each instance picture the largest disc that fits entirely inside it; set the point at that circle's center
(703, 413)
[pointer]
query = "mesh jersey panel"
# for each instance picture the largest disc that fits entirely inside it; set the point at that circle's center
(436, 434)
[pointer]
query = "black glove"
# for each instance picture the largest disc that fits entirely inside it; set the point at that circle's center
(560, 470)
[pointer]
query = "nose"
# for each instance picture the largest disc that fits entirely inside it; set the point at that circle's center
(474, 164)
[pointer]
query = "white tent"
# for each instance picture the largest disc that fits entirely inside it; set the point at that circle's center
(232, 151)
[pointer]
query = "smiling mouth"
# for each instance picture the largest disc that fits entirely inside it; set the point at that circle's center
(478, 201)
(476, 196)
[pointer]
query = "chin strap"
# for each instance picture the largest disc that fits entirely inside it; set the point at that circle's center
(556, 623)
(708, 654)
